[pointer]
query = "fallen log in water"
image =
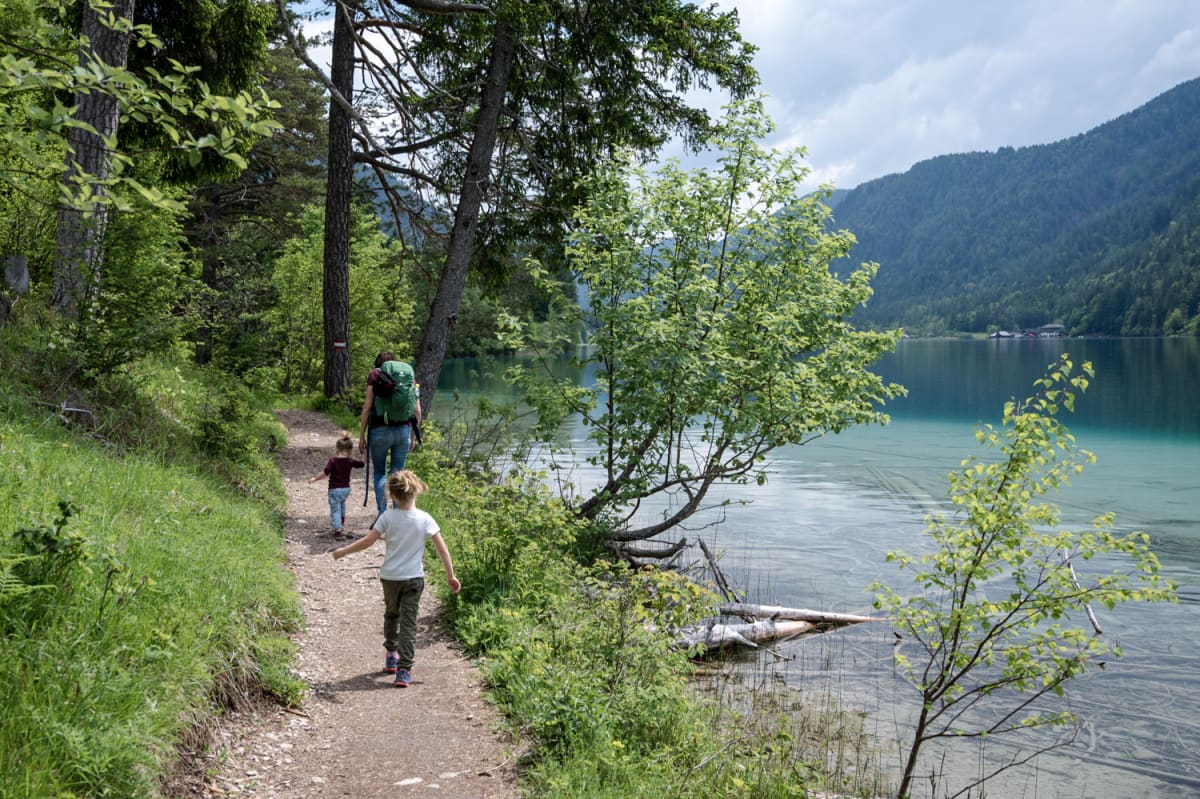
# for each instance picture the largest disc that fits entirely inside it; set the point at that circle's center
(652, 551)
(775, 623)
(796, 614)
(714, 636)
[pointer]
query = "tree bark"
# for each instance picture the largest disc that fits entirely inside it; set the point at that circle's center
(80, 232)
(338, 187)
(444, 312)
(714, 636)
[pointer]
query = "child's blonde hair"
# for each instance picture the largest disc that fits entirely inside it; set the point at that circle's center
(345, 444)
(404, 485)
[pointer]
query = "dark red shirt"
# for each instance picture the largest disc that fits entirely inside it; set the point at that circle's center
(338, 470)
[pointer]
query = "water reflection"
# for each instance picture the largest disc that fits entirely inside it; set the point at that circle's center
(1146, 386)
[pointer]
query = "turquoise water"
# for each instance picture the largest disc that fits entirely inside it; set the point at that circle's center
(816, 535)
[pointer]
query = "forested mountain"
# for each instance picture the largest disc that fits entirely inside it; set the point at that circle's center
(1100, 232)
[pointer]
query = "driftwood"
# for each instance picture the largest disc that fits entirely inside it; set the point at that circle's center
(723, 584)
(775, 623)
(759, 623)
(650, 552)
(714, 636)
(793, 614)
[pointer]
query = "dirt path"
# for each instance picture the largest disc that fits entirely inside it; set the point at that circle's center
(356, 735)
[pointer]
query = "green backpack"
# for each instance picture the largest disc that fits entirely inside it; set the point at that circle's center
(395, 393)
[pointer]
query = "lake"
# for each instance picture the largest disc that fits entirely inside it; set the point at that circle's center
(817, 533)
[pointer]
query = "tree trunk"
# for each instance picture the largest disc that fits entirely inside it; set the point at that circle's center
(444, 312)
(910, 761)
(792, 614)
(80, 232)
(338, 187)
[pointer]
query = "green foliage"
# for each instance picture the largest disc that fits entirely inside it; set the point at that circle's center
(583, 84)
(164, 584)
(222, 431)
(51, 551)
(717, 331)
(483, 320)
(141, 295)
(992, 622)
(148, 300)
(598, 673)
(382, 315)
(37, 62)
(505, 540)
(581, 659)
(225, 44)
(226, 230)
(145, 306)
(1097, 231)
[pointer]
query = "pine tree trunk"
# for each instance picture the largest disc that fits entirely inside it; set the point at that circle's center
(336, 283)
(444, 312)
(80, 232)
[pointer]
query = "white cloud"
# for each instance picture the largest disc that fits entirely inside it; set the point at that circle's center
(871, 86)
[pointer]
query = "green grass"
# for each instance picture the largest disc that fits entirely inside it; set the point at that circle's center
(175, 583)
(142, 574)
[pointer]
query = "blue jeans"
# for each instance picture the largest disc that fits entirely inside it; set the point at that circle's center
(384, 441)
(337, 506)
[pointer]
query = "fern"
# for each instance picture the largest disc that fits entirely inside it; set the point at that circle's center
(11, 585)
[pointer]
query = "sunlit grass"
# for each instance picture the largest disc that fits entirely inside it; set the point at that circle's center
(162, 585)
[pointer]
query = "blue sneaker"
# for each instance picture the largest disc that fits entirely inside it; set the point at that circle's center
(403, 678)
(390, 664)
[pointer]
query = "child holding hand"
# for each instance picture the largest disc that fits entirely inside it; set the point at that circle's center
(404, 529)
(338, 470)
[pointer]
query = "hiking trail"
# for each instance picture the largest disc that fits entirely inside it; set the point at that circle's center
(356, 735)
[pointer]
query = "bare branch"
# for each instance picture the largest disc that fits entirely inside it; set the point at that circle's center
(386, 166)
(301, 52)
(445, 7)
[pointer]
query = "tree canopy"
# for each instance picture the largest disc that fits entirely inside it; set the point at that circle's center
(717, 331)
(479, 118)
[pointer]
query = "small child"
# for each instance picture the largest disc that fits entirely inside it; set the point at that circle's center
(404, 530)
(338, 469)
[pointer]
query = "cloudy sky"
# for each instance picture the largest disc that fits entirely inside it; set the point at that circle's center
(870, 87)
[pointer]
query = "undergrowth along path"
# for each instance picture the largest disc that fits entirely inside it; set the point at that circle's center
(356, 735)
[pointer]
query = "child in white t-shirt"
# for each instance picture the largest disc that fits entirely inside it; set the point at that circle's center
(404, 529)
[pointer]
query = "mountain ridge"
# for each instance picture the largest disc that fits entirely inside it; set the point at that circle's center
(1097, 231)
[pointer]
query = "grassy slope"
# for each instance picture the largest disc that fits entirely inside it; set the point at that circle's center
(163, 588)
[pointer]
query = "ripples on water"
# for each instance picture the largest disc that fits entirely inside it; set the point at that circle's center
(817, 533)
(816, 536)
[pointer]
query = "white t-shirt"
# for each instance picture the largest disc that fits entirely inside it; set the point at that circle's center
(404, 532)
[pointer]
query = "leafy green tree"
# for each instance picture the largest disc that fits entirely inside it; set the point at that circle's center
(225, 45)
(992, 622)
(487, 113)
(237, 228)
(53, 49)
(381, 306)
(151, 298)
(717, 330)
